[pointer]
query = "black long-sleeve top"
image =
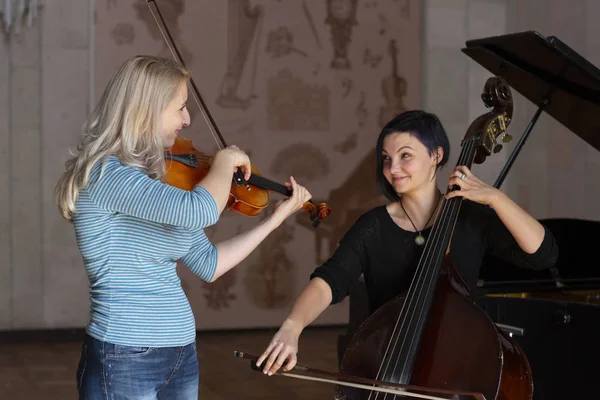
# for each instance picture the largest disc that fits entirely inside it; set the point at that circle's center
(387, 255)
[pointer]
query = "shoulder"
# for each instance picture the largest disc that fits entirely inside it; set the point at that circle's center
(367, 224)
(111, 167)
(374, 215)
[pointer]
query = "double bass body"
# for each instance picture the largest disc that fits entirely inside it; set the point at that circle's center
(461, 349)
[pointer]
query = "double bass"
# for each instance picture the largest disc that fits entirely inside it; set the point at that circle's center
(434, 338)
(435, 335)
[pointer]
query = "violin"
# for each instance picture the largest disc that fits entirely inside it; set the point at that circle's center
(248, 198)
(186, 166)
(434, 340)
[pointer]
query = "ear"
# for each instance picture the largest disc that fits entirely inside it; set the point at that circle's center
(438, 155)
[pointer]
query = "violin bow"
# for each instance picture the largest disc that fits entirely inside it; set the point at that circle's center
(210, 122)
(364, 383)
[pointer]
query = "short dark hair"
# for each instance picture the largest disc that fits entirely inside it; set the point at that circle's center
(424, 126)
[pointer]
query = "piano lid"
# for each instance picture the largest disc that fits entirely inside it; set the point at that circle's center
(541, 67)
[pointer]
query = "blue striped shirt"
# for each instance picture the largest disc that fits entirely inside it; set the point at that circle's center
(131, 230)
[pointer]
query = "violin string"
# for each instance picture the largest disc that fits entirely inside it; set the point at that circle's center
(439, 227)
(206, 119)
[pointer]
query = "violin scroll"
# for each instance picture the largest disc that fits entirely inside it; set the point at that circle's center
(317, 212)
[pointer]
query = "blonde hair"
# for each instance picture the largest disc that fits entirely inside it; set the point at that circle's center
(125, 123)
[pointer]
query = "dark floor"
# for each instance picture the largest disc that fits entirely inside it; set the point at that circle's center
(47, 370)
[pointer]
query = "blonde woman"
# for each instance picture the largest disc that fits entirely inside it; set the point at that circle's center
(131, 227)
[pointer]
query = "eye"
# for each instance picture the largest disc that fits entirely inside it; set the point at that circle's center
(405, 155)
(183, 108)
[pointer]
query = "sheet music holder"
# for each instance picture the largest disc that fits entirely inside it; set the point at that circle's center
(548, 73)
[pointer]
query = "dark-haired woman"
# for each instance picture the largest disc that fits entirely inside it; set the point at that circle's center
(385, 243)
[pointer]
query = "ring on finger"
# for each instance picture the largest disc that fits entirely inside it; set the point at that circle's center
(462, 177)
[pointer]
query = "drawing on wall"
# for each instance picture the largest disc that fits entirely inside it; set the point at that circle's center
(371, 59)
(393, 88)
(270, 281)
(352, 200)
(280, 42)
(304, 161)
(311, 23)
(384, 23)
(361, 111)
(218, 294)
(317, 69)
(247, 129)
(294, 105)
(341, 17)
(404, 6)
(347, 145)
(347, 85)
(171, 11)
(244, 24)
(123, 33)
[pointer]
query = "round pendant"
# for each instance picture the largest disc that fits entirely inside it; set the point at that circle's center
(420, 240)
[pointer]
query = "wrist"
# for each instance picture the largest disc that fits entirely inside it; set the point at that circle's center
(496, 198)
(293, 326)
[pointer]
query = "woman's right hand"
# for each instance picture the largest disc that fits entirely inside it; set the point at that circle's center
(238, 157)
(283, 346)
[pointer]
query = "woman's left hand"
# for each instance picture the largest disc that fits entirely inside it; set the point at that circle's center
(300, 195)
(471, 187)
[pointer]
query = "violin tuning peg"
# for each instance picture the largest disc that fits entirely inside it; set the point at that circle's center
(497, 148)
(507, 138)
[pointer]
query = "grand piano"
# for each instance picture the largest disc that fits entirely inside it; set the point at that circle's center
(554, 315)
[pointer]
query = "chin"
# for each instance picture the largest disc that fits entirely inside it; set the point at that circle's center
(167, 143)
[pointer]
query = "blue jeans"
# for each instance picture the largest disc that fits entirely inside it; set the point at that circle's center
(113, 372)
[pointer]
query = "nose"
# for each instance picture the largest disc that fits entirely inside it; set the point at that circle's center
(186, 117)
(395, 167)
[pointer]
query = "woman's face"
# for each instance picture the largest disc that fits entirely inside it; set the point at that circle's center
(407, 164)
(175, 117)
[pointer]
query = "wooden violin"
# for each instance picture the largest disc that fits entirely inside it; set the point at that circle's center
(186, 166)
(248, 198)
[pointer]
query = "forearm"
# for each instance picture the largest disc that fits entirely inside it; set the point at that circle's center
(218, 180)
(313, 300)
(526, 230)
(232, 251)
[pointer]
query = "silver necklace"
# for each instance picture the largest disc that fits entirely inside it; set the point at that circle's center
(419, 240)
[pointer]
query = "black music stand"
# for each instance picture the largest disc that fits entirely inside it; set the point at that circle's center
(548, 73)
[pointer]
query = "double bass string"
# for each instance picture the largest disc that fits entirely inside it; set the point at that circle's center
(429, 271)
(440, 230)
(424, 273)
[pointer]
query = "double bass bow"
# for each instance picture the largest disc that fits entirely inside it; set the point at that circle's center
(434, 335)
(186, 165)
